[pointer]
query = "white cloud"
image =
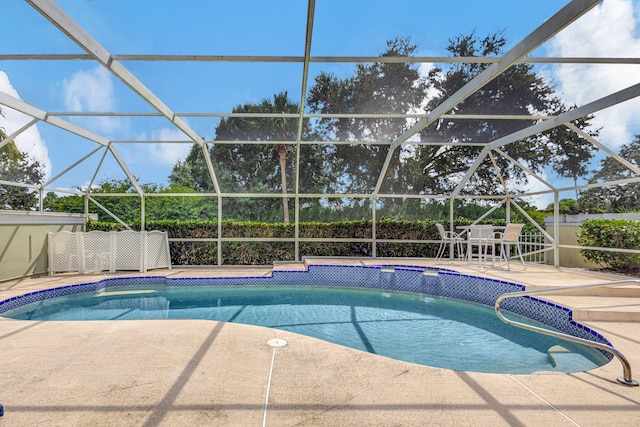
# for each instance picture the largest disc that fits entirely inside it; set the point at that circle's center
(28, 141)
(92, 91)
(609, 30)
(162, 154)
(168, 154)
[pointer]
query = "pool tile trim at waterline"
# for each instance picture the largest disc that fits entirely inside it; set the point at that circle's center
(406, 278)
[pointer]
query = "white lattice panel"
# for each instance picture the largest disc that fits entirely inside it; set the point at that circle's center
(63, 252)
(128, 250)
(97, 250)
(100, 250)
(158, 250)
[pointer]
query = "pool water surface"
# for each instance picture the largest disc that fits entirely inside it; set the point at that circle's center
(418, 328)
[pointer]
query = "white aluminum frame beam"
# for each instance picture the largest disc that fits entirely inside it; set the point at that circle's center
(23, 107)
(311, 8)
(571, 115)
(524, 168)
(36, 113)
(75, 32)
(76, 163)
(15, 134)
(635, 169)
(308, 115)
(548, 29)
(318, 59)
(562, 119)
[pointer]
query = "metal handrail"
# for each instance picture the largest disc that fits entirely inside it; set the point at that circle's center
(626, 379)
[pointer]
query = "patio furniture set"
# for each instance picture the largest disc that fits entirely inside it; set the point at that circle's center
(479, 242)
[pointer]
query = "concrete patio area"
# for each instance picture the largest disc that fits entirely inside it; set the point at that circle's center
(205, 373)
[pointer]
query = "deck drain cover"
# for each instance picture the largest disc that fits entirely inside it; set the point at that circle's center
(277, 342)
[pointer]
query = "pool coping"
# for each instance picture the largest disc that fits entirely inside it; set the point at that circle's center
(429, 280)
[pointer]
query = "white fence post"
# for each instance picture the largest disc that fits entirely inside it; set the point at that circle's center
(112, 251)
(80, 251)
(143, 251)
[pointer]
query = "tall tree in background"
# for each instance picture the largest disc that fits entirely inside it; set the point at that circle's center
(192, 172)
(394, 87)
(354, 162)
(518, 91)
(260, 165)
(17, 167)
(572, 153)
(19, 170)
(283, 129)
(619, 198)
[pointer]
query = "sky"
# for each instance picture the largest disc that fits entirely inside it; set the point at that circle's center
(252, 27)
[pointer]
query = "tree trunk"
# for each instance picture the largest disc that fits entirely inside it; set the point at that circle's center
(282, 151)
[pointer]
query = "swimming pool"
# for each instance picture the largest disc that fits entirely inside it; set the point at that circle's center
(379, 316)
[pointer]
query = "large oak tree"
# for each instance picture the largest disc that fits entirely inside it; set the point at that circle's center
(519, 91)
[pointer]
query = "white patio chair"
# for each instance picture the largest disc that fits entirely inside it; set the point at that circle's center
(510, 237)
(447, 238)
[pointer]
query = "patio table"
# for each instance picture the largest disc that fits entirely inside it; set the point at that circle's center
(478, 235)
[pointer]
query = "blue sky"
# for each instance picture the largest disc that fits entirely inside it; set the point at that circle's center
(277, 27)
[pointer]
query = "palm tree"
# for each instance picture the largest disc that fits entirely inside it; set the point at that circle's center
(247, 165)
(285, 130)
(281, 129)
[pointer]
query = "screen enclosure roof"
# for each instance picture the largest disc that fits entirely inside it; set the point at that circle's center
(105, 90)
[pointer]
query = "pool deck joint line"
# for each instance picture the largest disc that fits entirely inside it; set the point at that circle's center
(275, 343)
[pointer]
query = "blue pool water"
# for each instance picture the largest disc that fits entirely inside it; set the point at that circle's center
(413, 327)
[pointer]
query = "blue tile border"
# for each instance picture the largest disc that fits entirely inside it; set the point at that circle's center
(406, 278)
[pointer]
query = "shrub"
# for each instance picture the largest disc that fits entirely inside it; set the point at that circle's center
(248, 252)
(611, 233)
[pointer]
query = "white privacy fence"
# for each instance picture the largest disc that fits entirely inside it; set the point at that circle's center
(112, 250)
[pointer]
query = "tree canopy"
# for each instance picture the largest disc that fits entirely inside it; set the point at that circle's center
(255, 149)
(21, 170)
(519, 91)
(16, 166)
(266, 165)
(345, 154)
(372, 88)
(127, 208)
(619, 198)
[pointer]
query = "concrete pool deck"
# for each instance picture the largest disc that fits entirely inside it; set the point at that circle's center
(200, 373)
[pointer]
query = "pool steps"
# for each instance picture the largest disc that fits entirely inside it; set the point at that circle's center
(609, 304)
(620, 303)
(609, 309)
(560, 356)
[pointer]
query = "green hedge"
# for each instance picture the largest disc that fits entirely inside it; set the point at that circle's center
(611, 233)
(265, 253)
